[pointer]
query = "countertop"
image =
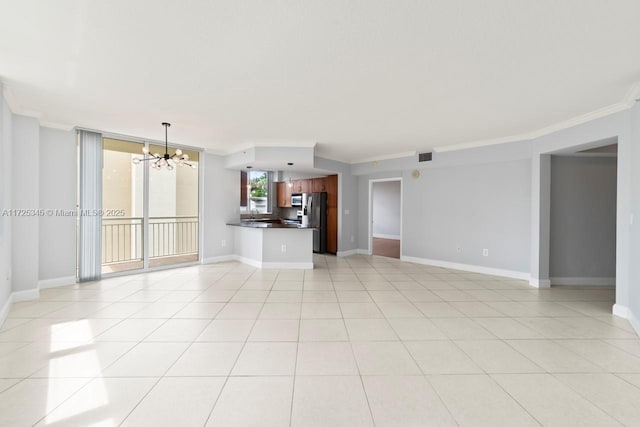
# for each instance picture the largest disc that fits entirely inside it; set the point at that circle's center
(259, 224)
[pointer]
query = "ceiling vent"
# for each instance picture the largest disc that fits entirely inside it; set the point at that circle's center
(425, 157)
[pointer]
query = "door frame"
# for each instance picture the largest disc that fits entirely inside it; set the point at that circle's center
(370, 203)
(145, 256)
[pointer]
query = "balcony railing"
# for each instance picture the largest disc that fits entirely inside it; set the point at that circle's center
(122, 238)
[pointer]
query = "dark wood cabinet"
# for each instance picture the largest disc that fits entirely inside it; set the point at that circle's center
(302, 186)
(332, 230)
(319, 185)
(332, 191)
(284, 195)
(327, 185)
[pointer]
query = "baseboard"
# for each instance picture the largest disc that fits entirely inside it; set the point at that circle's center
(4, 311)
(468, 267)
(217, 259)
(387, 236)
(14, 297)
(54, 283)
(620, 311)
(635, 322)
(260, 264)
(27, 295)
(540, 283)
(584, 281)
(288, 265)
(626, 313)
(363, 251)
(347, 253)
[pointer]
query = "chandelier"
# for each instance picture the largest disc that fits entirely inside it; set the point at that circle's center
(158, 161)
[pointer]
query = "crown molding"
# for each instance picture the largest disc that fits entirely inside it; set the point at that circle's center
(384, 157)
(630, 98)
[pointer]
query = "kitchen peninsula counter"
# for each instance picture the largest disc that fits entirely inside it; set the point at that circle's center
(273, 245)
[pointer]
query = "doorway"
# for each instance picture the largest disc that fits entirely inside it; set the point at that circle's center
(583, 197)
(385, 217)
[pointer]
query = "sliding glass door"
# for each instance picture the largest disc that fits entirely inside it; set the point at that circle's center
(173, 212)
(149, 216)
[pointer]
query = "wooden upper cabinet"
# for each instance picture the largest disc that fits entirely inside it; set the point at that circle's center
(301, 186)
(284, 195)
(332, 191)
(319, 185)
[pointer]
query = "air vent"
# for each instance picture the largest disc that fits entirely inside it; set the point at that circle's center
(425, 157)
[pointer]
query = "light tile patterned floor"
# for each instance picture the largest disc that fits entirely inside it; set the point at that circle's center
(357, 341)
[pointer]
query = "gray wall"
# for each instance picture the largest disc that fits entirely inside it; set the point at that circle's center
(25, 235)
(58, 175)
(583, 217)
(386, 209)
(347, 202)
(221, 204)
(6, 162)
(472, 206)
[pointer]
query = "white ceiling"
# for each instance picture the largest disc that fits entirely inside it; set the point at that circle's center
(362, 78)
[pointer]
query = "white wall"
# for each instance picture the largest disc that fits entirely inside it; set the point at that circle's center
(58, 182)
(6, 163)
(386, 209)
(221, 195)
(583, 219)
(26, 183)
(634, 273)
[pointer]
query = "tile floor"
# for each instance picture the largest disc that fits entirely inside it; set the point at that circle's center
(358, 341)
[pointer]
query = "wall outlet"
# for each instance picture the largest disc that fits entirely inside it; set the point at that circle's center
(283, 248)
(353, 239)
(459, 249)
(346, 211)
(223, 243)
(485, 252)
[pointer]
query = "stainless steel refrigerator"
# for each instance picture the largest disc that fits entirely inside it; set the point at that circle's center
(317, 211)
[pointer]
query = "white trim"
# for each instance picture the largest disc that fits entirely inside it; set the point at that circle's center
(626, 313)
(467, 267)
(4, 312)
(540, 283)
(28, 295)
(383, 157)
(370, 205)
(288, 265)
(387, 236)
(627, 102)
(635, 323)
(363, 252)
(217, 259)
(584, 281)
(347, 253)
(14, 297)
(260, 264)
(620, 311)
(56, 282)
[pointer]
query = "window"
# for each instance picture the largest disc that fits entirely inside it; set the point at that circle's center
(255, 194)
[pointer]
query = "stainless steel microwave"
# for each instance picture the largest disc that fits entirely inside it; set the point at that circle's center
(296, 199)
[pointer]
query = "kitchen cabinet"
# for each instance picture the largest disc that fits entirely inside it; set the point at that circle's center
(332, 191)
(332, 230)
(301, 186)
(284, 195)
(319, 185)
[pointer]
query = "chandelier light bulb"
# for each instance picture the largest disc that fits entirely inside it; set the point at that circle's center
(157, 161)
